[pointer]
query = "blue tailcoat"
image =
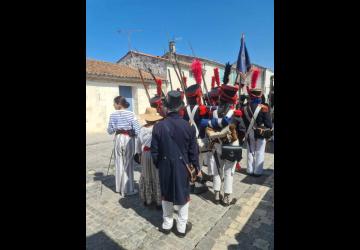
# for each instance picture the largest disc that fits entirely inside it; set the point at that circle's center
(173, 175)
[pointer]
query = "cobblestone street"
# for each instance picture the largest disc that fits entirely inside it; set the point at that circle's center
(113, 222)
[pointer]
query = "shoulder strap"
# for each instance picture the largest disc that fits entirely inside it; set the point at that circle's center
(247, 113)
(191, 115)
(215, 113)
(253, 119)
(176, 146)
(171, 138)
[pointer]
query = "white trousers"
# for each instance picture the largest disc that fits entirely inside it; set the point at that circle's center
(210, 163)
(168, 209)
(227, 169)
(255, 154)
(124, 164)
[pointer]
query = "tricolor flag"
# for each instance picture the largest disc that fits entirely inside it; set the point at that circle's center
(243, 63)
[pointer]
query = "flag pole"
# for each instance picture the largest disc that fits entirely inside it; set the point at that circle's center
(238, 75)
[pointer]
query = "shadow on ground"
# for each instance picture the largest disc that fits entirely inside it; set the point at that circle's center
(101, 241)
(256, 234)
(249, 179)
(147, 212)
(109, 181)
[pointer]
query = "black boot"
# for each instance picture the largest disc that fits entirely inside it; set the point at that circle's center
(188, 228)
(226, 200)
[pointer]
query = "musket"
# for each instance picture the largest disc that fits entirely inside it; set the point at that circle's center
(180, 79)
(171, 87)
(143, 82)
(177, 74)
(153, 76)
(203, 77)
(206, 90)
(181, 74)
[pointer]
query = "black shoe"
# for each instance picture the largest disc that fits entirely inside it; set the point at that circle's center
(226, 200)
(182, 235)
(165, 231)
(257, 175)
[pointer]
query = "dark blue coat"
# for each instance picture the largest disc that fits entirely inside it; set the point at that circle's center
(262, 118)
(173, 175)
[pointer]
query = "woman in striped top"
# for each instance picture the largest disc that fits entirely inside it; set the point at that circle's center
(125, 126)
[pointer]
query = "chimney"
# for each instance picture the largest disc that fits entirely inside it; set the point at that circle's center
(172, 47)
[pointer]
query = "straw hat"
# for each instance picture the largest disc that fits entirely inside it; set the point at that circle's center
(151, 115)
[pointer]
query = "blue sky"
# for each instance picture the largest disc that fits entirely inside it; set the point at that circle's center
(212, 27)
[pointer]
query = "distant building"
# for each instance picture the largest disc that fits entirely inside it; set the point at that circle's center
(263, 81)
(105, 80)
(162, 64)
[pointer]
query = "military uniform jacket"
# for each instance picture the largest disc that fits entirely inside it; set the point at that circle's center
(173, 175)
(263, 117)
(197, 119)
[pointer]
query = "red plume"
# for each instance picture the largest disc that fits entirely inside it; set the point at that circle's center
(217, 76)
(184, 80)
(254, 77)
(213, 82)
(196, 70)
(158, 86)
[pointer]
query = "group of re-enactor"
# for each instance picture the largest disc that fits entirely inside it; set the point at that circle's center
(209, 131)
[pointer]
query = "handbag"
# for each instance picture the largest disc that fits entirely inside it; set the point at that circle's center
(231, 153)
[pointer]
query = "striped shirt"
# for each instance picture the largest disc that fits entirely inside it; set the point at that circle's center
(123, 119)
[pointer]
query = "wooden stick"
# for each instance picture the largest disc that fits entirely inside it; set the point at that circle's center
(143, 82)
(171, 87)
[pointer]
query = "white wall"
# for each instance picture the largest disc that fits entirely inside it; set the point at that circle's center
(99, 102)
(268, 74)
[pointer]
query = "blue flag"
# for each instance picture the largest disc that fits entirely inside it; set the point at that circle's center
(243, 64)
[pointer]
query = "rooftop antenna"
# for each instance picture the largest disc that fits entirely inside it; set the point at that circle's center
(129, 33)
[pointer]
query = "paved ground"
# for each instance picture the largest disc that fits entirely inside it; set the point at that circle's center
(113, 222)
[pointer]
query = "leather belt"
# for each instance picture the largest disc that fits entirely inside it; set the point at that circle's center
(124, 132)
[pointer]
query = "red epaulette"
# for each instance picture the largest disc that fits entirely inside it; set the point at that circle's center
(238, 113)
(202, 110)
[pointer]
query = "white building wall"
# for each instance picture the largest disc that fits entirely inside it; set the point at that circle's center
(268, 74)
(99, 102)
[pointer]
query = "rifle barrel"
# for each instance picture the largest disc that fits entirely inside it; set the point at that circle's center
(170, 79)
(143, 82)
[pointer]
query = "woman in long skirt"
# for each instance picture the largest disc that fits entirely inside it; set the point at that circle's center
(149, 179)
(125, 126)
